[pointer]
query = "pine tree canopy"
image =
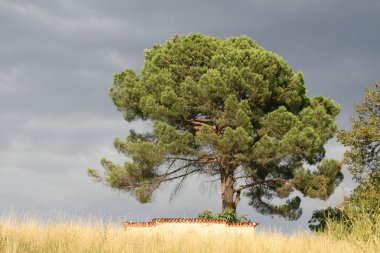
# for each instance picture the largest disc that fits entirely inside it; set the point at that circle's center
(227, 109)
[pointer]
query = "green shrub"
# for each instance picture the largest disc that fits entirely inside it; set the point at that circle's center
(227, 215)
(206, 214)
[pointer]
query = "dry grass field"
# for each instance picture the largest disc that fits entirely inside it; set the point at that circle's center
(30, 235)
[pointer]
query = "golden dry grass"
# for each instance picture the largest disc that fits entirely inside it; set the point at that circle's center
(30, 235)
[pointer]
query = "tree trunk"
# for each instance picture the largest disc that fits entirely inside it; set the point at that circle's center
(227, 188)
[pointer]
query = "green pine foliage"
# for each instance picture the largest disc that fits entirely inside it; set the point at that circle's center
(227, 109)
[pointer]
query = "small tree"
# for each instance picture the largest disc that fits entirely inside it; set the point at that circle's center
(227, 109)
(362, 207)
(363, 141)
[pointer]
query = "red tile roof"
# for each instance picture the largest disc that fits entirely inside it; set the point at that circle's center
(157, 221)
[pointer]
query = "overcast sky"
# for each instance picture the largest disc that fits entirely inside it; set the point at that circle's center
(56, 64)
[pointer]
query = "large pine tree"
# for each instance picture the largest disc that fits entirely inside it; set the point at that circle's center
(227, 109)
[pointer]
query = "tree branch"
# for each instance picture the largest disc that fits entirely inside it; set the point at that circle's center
(183, 175)
(205, 120)
(273, 180)
(170, 166)
(176, 170)
(374, 150)
(217, 159)
(237, 198)
(202, 122)
(182, 159)
(194, 162)
(211, 181)
(202, 160)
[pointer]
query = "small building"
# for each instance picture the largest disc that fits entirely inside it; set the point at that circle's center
(191, 225)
